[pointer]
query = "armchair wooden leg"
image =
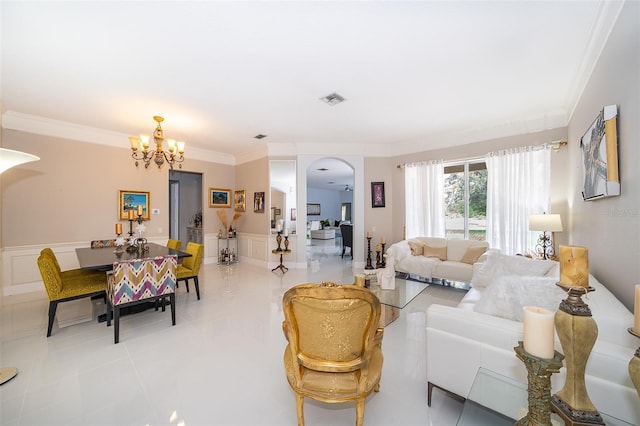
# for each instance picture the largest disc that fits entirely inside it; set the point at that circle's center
(360, 412)
(53, 306)
(299, 409)
(109, 313)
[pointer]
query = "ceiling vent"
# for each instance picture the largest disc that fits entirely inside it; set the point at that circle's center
(260, 136)
(333, 99)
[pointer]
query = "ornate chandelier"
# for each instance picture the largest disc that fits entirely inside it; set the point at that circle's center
(173, 155)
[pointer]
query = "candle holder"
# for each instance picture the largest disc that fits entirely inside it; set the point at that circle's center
(539, 371)
(634, 365)
(286, 243)
(279, 240)
(378, 260)
(383, 262)
(119, 243)
(578, 332)
(369, 265)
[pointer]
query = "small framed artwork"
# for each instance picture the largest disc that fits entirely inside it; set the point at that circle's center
(599, 146)
(135, 202)
(313, 209)
(219, 197)
(239, 201)
(258, 202)
(294, 215)
(278, 212)
(377, 194)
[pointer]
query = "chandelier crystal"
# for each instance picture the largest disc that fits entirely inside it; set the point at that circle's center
(142, 152)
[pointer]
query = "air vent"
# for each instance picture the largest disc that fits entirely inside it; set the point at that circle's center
(260, 136)
(324, 169)
(333, 99)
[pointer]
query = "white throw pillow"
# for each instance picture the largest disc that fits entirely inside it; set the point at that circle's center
(498, 265)
(508, 295)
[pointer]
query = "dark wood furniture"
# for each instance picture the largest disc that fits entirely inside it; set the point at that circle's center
(102, 258)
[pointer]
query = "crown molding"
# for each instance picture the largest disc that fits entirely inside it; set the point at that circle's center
(12, 120)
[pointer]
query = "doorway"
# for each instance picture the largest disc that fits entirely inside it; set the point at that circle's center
(185, 202)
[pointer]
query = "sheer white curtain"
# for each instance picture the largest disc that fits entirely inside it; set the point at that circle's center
(424, 199)
(517, 186)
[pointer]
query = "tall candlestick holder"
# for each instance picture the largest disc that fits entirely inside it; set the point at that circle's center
(286, 243)
(378, 259)
(279, 240)
(119, 243)
(383, 262)
(578, 332)
(634, 365)
(369, 265)
(539, 371)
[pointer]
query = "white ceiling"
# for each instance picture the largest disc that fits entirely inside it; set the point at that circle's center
(416, 75)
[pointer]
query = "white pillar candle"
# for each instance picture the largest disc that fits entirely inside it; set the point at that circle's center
(636, 311)
(538, 332)
(286, 232)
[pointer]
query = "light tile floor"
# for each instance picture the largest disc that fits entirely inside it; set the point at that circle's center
(220, 365)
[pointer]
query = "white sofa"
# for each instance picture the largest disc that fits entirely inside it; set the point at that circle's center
(451, 267)
(483, 330)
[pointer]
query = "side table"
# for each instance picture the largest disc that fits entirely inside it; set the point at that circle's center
(281, 266)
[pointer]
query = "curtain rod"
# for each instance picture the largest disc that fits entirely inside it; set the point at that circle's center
(555, 146)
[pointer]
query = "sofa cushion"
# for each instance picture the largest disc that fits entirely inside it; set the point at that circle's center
(455, 271)
(457, 248)
(472, 254)
(416, 247)
(508, 295)
(498, 265)
(437, 252)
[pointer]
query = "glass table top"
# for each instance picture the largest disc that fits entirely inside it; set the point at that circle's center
(496, 400)
(399, 297)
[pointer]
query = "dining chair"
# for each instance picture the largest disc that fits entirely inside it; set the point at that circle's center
(64, 286)
(347, 238)
(174, 244)
(190, 266)
(136, 281)
(334, 351)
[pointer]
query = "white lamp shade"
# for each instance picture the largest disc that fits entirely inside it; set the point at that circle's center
(10, 158)
(545, 222)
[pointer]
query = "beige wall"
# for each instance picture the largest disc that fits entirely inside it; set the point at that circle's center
(253, 177)
(380, 218)
(71, 194)
(610, 227)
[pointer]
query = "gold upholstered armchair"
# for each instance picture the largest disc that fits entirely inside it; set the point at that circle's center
(335, 346)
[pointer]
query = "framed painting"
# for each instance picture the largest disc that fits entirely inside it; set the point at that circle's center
(239, 201)
(377, 194)
(135, 202)
(313, 209)
(599, 146)
(294, 215)
(219, 197)
(258, 202)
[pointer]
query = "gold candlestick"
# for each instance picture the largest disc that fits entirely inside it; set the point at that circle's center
(539, 372)
(634, 365)
(578, 332)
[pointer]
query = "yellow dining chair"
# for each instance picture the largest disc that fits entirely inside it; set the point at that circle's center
(335, 345)
(68, 285)
(174, 244)
(190, 267)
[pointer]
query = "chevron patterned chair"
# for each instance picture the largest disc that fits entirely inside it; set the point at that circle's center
(140, 281)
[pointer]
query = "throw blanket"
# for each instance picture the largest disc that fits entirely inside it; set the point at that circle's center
(406, 262)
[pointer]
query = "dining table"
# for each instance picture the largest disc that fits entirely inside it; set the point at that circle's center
(102, 258)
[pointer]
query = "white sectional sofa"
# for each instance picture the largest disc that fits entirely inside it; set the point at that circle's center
(430, 257)
(485, 327)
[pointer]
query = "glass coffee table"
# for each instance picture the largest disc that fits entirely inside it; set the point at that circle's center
(496, 400)
(394, 300)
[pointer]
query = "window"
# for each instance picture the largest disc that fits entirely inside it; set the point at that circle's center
(465, 197)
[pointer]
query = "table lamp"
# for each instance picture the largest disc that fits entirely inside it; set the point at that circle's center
(546, 223)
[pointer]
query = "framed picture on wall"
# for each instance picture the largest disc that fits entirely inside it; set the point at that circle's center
(219, 197)
(258, 202)
(239, 201)
(134, 202)
(313, 209)
(293, 214)
(377, 194)
(599, 146)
